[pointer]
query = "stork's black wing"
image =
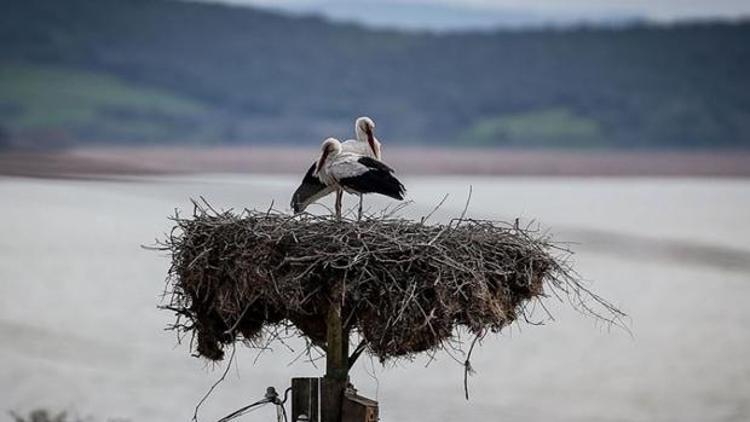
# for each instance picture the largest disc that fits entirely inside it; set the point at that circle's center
(377, 178)
(374, 164)
(310, 190)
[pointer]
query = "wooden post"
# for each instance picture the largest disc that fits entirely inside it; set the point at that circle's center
(337, 365)
(306, 398)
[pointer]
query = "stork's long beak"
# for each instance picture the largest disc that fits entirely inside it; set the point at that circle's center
(320, 163)
(371, 141)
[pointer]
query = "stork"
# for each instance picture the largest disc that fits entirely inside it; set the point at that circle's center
(311, 189)
(365, 143)
(355, 173)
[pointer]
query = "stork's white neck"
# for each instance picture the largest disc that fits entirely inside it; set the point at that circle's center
(371, 148)
(361, 134)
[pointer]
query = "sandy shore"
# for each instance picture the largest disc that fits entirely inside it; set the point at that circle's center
(145, 161)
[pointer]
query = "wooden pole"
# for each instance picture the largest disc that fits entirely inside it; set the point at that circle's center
(306, 398)
(337, 365)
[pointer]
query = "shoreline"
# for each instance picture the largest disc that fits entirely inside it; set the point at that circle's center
(91, 163)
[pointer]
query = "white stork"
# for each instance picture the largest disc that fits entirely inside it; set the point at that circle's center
(355, 173)
(366, 144)
(311, 189)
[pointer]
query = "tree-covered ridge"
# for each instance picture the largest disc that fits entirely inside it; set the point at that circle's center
(265, 77)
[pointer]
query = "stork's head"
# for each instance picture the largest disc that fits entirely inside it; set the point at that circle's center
(365, 129)
(364, 124)
(330, 148)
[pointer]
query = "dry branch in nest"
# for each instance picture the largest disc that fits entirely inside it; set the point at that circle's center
(405, 287)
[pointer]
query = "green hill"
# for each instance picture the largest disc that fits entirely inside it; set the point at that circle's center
(43, 101)
(167, 71)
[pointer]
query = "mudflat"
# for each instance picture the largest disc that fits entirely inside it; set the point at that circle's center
(101, 162)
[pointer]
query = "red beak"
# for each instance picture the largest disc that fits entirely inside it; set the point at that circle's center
(321, 162)
(371, 141)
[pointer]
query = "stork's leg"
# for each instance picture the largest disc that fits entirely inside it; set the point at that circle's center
(339, 194)
(359, 213)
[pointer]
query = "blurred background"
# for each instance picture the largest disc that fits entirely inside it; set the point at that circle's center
(622, 128)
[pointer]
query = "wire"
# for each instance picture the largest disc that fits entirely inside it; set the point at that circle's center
(286, 394)
(280, 403)
(244, 410)
(271, 397)
(283, 412)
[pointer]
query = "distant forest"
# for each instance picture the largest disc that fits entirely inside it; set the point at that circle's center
(158, 71)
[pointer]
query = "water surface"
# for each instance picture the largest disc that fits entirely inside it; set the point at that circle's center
(79, 328)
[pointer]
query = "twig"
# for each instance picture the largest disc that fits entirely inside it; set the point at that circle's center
(440, 204)
(219, 381)
(467, 364)
(264, 276)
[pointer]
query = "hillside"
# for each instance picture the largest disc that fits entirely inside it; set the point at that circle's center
(54, 105)
(157, 71)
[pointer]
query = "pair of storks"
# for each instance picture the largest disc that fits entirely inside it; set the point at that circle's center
(353, 166)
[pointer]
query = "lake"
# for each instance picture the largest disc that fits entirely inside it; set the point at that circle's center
(79, 327)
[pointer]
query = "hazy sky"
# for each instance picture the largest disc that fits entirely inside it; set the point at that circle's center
(661, 10)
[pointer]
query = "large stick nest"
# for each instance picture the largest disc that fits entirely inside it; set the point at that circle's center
(405, 286)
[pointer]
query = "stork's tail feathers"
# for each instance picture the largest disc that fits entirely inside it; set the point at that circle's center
(394, 188)
(376, 181)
